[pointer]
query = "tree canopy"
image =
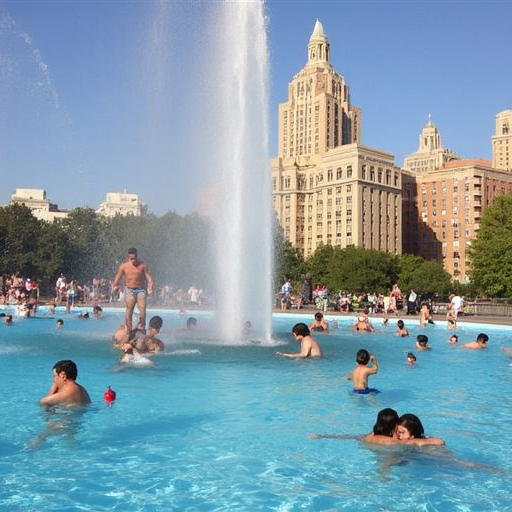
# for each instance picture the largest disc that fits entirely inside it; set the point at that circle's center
(178, 250)
(491, 253)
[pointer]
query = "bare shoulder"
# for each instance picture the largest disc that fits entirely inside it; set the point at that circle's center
(378, 439)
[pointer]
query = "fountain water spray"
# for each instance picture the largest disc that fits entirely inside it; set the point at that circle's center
(243, 214)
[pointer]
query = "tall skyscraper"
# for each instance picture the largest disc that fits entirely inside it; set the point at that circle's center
(328, 188)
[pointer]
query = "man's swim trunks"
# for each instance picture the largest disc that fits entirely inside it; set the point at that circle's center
(134, 292)
(366, 391)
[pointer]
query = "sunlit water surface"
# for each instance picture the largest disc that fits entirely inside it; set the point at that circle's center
(216, 427)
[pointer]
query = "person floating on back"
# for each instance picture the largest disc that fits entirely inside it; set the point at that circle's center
(361, 373)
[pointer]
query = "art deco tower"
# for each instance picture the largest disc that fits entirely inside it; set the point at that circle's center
(327, 187)
(431, 154)
(317, 116)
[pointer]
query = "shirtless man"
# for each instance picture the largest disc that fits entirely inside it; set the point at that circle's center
(65, 391)
(135, 272)
(309, 347)
(319, 324)
(480, 343)
(143, 344)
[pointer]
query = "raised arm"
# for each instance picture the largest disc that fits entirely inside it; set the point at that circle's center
(375, 365)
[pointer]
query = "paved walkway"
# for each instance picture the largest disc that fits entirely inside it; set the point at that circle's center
(439, 318)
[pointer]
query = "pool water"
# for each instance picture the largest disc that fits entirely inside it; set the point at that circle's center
(225, 428)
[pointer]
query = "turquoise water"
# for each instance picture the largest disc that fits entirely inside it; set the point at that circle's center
(213, 428)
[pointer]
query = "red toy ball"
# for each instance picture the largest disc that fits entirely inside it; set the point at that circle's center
(109, 396)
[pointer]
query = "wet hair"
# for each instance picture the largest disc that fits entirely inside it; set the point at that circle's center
(156, 322)
(386, 422)
(482, 337)
(400, 324)
(454, 336)
(319, 315)
(8, 319)
(363, 356)
(68, 367)
(97, 309)
(410, 355)
(191, 322)
(60, 321)
(422, 340)
(301, 329)
(413, 424)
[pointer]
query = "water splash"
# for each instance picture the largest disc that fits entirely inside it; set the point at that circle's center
(243, 214)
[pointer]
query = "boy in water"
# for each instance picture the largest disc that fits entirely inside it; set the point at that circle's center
(453, 339)
(422, 342)
(309, 347)
(401, 330)
(361, 373)
(480, 343)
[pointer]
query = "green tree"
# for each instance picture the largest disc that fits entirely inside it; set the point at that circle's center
(359, 269)
(288, 263)
(86, 245)
(52, 256)
(20, 232)
(319, 264)
(491, 253)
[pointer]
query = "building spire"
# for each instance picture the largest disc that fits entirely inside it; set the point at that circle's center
(318, 46)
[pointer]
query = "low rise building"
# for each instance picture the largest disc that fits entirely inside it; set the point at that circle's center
(122, 203)
(36, 200)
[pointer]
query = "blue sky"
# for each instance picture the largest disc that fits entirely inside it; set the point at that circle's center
(96, 96)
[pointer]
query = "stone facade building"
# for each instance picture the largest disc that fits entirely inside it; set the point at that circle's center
(502, 141)
(327, 187)
(36, 200)
(443, 200)
(122, 203)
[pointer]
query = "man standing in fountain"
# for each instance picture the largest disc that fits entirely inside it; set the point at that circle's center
(135, 272)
